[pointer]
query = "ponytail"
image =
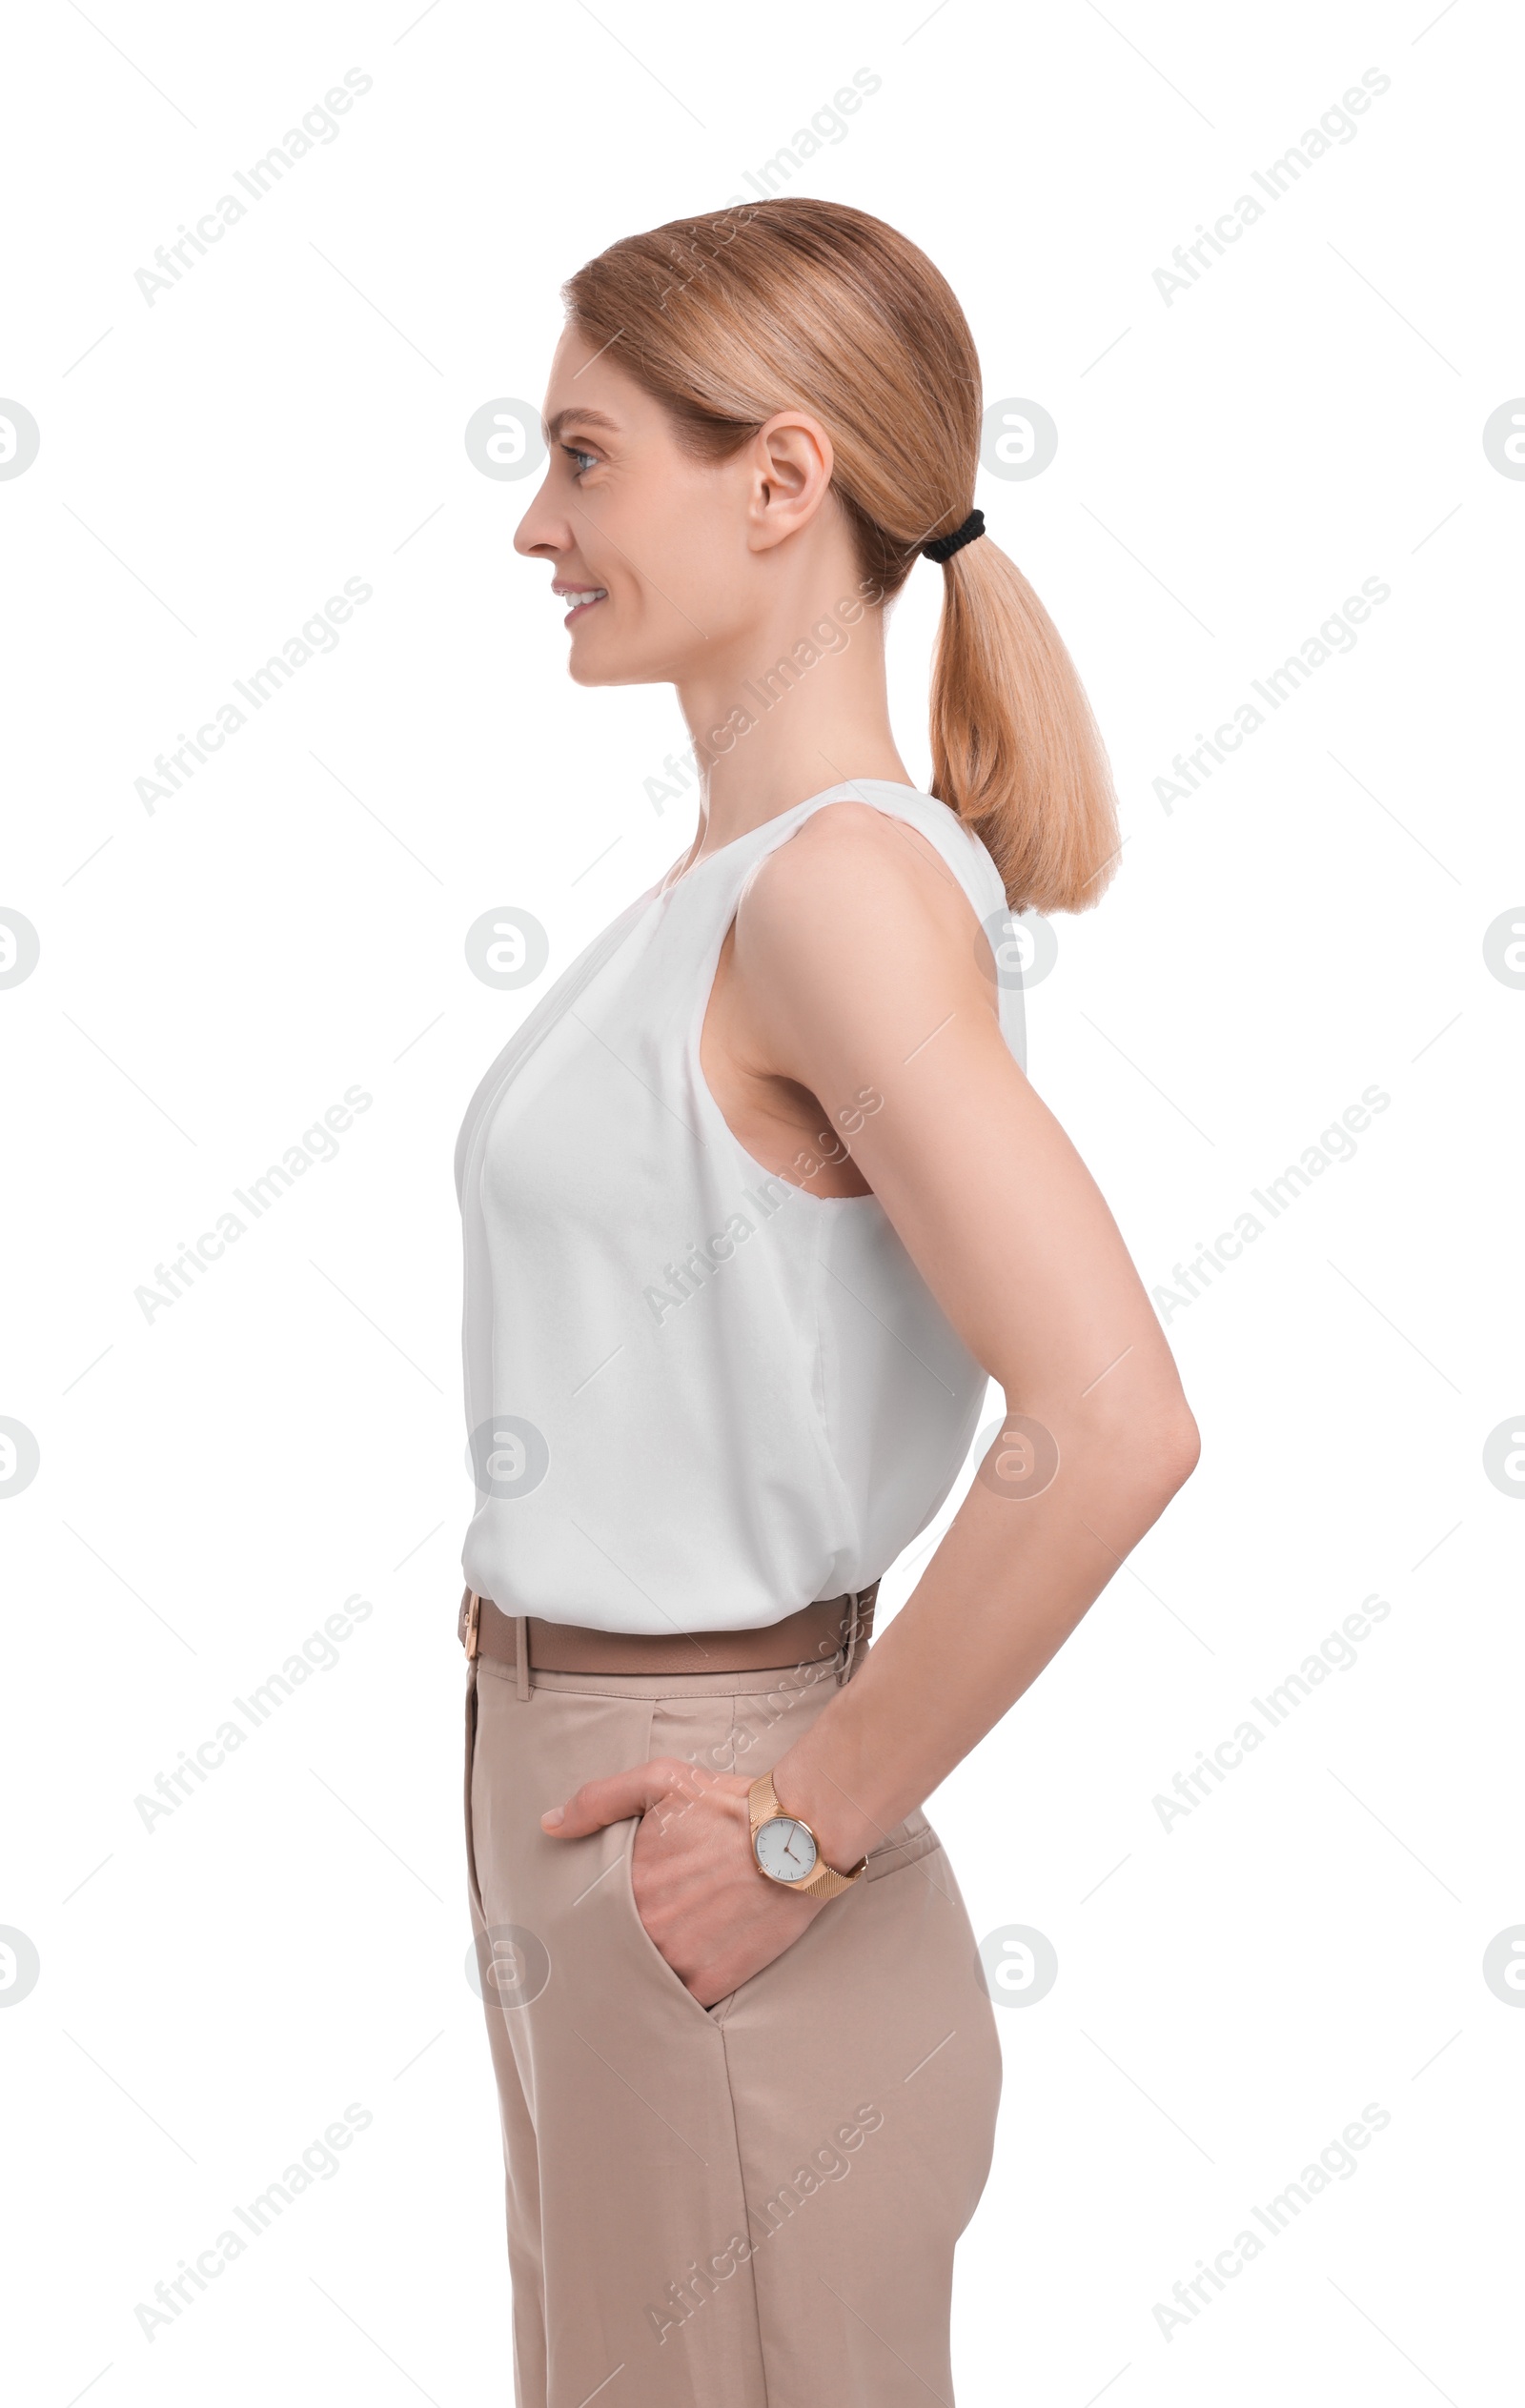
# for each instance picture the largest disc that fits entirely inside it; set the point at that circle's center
(1016, 751)
(809, 303)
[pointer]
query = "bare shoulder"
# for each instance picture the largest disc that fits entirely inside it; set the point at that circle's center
(856, 876)
(855, 924)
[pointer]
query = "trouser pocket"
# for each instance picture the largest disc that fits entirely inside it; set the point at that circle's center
(645, 1947)
(473, 1889)
(913, 1838)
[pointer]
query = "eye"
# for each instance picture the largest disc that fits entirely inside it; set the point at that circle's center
(582, 460)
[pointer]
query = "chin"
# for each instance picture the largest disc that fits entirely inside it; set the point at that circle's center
(603, 665)
(595, 671)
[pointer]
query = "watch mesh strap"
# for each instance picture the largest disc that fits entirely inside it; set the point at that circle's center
(826, 1882)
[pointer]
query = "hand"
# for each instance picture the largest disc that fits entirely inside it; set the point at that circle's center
(706, 1908)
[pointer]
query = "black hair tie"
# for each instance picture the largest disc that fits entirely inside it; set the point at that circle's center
(944, 546)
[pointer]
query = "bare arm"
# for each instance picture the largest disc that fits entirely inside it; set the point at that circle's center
(858, 964)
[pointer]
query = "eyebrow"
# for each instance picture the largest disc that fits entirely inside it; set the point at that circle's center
(580, 416)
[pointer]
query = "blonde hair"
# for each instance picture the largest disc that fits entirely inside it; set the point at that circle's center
(807, 304)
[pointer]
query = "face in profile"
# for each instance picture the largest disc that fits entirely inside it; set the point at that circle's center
(646, 543)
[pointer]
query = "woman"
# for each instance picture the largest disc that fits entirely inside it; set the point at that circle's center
(755, 1201)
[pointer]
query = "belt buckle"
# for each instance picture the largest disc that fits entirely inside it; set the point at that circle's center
(474, 1616)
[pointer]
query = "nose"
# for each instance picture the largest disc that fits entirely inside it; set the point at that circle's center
(542, 534)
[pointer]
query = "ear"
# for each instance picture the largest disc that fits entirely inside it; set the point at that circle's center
(791, 465)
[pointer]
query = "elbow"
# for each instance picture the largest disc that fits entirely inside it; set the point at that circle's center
(1180, 1446)
(1147, 1454)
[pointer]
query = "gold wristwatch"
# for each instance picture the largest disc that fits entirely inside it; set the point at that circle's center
(785, 1850)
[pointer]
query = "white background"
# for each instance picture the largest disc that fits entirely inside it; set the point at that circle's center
(1231, 1991)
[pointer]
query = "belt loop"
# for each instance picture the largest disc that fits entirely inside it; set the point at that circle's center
(521, 1655)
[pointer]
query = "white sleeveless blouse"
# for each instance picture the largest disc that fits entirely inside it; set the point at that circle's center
(698, 1396)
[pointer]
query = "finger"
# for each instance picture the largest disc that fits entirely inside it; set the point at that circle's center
(613, 1799)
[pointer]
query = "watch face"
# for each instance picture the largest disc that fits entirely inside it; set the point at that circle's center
(785, 1850)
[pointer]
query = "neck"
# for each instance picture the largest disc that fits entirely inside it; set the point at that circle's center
(780, 718)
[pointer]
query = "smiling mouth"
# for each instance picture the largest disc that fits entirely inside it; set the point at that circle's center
(581, 598)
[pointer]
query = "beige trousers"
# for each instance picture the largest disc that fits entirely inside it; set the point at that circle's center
(751, 2205)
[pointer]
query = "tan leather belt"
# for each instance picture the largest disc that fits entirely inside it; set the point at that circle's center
(812, 1635)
